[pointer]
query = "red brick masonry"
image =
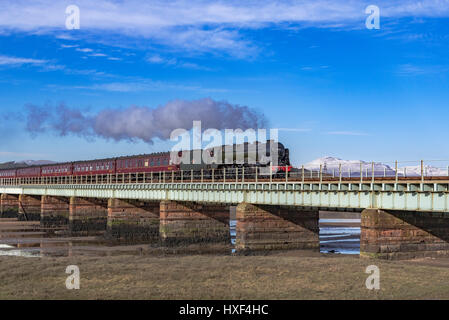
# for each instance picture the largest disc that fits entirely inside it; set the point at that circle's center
(54, 211)
(403, 234)
(190, 222)
(265, 227)
(29, 207)
(133, 220)
(87, 216)
(9, 205)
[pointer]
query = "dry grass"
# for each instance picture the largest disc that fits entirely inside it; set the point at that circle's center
(291, 276)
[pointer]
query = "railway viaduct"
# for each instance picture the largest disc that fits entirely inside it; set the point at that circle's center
(400, 218)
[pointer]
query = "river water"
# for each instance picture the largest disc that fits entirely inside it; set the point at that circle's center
(340, 236)
(18, 238)
(337, 236)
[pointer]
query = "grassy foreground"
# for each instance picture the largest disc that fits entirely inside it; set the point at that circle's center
(279, 276)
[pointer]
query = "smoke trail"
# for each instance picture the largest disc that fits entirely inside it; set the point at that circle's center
(142, 123)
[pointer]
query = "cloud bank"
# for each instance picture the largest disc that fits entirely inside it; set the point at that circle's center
(200, 25)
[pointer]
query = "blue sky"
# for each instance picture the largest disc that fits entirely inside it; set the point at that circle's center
(308, 66)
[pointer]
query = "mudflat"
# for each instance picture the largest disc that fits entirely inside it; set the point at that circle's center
(277, 275)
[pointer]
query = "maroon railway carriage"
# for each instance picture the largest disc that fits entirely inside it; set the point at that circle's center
(57, 170)
(7, 174)
(93, 167)
(29, 172)
(146, 163)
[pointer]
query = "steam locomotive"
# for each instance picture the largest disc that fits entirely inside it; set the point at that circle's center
(270, 154)
(271, 158)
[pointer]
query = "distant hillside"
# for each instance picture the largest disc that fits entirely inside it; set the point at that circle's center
(35, 162)
(25, 163)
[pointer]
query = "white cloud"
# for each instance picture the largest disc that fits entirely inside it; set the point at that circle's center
(85, 50)
(201, 25)
(97, 55)
(15, 61)
(421, 70)
(157, 59)
(69, 46)
(137, 84)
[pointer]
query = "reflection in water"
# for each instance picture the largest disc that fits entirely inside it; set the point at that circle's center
(7, 250)
(345, 221)
(340, 236)
(336, 236)
(232, 224)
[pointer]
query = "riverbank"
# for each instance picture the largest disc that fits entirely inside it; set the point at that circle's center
(281, 275)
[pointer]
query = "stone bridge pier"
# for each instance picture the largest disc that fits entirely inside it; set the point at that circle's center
(133, 220)
(192, 222)
(391, 234)
(9, 205)
(55, 211)
(87, 216)
(268, 227)
(29, 207)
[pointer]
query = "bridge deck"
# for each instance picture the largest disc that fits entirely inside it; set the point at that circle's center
(397, 193)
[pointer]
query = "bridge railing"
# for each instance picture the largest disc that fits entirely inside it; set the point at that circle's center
(335, 171)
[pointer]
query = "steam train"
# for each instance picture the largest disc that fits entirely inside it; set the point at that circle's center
(272, 157)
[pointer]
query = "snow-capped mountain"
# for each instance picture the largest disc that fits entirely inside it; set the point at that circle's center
(25, 163)
(35, 162)
(428, 171)
(331, 165)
